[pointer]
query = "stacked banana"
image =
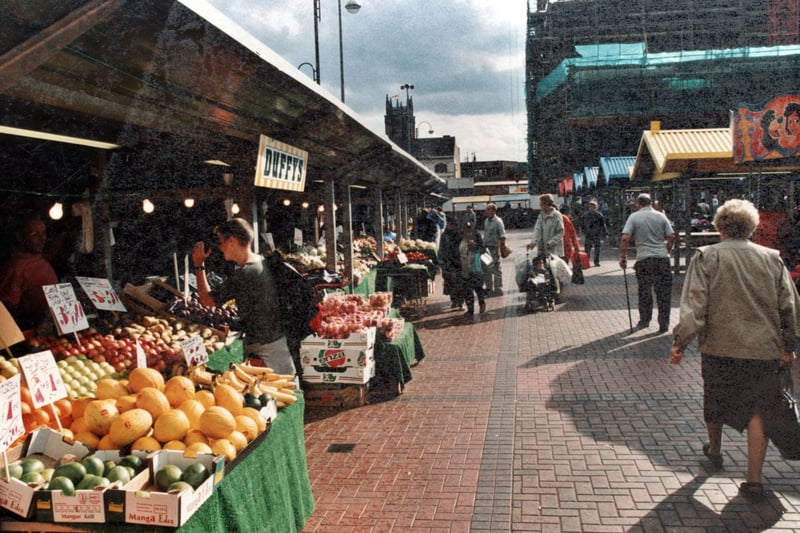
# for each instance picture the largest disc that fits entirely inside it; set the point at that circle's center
(247, 378)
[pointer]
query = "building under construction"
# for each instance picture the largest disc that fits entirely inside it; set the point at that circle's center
(599, 71)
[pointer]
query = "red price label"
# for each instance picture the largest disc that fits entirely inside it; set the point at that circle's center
(11, 424)
(67, 311)
(194, 351)
(43, 378)
(101, 293)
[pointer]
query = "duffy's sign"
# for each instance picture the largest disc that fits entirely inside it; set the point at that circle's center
(772, 132)
(280, 166)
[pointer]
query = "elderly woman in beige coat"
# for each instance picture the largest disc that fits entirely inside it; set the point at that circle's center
(739, 301)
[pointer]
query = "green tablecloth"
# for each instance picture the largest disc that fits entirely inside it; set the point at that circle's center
(394, 359)
(269, 491)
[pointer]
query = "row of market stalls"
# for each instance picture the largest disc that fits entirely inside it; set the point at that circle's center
(690, 172)
(139, 125)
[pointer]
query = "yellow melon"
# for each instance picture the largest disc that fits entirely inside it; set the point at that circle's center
(88, 438)
(79, 425)
(217, 422)
(258, 418)
(153, 401)
(140, 378)
(99, 415)
(199, 447)
(206, 397)
(225, 448)
(172, 425)
(193, 409)
(229, 398)
(178, 389)
(195, 435)
(246, 426)
(106, 443)
(238, 440)
(174, 445)
(130, 426)
(126, 403)
(148, 444)
(109, 389)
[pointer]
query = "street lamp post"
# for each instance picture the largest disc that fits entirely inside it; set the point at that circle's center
(430, 128)
(352, 7)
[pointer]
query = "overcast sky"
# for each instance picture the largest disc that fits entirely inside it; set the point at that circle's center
(465, 58)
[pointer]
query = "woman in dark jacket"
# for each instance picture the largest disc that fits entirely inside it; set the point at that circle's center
(450, 261)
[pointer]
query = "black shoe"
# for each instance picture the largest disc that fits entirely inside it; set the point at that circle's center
(597, 264)
(469, 312)
(642, 325)
(663, 329)
(482, 307)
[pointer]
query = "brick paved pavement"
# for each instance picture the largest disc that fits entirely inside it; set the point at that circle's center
(560, 421)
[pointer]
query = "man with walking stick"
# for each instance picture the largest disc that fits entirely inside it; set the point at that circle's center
(654, 238)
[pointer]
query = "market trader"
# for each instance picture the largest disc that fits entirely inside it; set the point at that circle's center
(24, 275)
(253, 287)
(654, 238)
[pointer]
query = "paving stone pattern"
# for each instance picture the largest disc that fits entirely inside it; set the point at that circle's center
(550, 421)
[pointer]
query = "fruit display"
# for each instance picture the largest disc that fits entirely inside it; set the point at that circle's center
(250, 385)
(81, 374)
(195, 312)
(343, 314)
(409, 245)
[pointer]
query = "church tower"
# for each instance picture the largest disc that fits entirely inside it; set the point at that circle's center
(400, 122)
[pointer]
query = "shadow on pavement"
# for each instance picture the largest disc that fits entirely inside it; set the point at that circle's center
(680, 511)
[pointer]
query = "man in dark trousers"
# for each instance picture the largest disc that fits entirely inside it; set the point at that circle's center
(654, 238)
(594, 229)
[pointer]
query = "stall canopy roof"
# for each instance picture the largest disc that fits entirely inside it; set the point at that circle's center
(668, 154)
(617, 168)
(138, 72)
(590, 176)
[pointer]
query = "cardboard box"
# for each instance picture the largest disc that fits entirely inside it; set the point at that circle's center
(86, 505)
(334, 395)
(347, 374)
(143, 504)
(47, 445)
(356, 350)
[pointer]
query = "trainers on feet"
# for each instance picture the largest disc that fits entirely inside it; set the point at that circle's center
(482, 307)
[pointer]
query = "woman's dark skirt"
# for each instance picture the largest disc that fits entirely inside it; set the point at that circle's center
(736, 389)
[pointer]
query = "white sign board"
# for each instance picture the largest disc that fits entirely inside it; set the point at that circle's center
(67, 311)
(43, 378)
(11, 425)
(101, 293)
(280, 166)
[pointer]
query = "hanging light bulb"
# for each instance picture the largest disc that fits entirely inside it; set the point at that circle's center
(287, 202)
(304, 205)
(147, 206)
(188, 202)
(321, 209)
(57, 211)
(235, 208)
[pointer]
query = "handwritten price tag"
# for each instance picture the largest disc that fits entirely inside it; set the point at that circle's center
(43, 378)
(101, 293)
(11, 425)
(194, 351)
(67, 311)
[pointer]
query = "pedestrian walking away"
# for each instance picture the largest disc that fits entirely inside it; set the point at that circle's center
(739, 300)
(653, 235)
(472, 271)
(494, 238)
(594, 228)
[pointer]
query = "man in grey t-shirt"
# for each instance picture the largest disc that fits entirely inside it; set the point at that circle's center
(654, 237)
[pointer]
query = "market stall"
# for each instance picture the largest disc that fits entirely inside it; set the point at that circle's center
(136, 168)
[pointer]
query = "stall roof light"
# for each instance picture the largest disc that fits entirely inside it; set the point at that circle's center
(216, 162)
(33, 134)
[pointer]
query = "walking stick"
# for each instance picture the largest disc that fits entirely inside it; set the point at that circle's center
(627, 297)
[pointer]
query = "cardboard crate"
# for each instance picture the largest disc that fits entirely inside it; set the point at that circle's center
(47, 445)
(334, 395)
(356, 350)
(142, 503)
(340, 374)
(85, 505)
